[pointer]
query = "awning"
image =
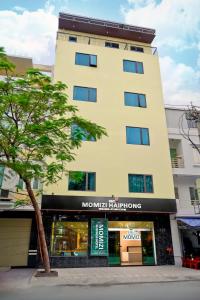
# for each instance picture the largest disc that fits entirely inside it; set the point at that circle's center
(190, 221)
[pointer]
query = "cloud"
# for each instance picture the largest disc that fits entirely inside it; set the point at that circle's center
(29, 33)
(177, 22)
(177, 25)
(180, 82)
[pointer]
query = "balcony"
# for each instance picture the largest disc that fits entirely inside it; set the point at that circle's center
(177, 162)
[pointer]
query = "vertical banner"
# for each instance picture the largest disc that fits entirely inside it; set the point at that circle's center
(99, 237)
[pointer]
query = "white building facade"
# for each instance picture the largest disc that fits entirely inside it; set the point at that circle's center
(185, 160)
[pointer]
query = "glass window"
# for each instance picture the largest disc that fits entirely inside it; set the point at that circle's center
(82, 181)
(78, 133)
(1, 175)
(86, 59)
(133, 66)
(82, 59)
(137, 136)
(72, 39)
(137, 49)
(194, 194)
(140, 183)
(84, 94)
(134, 99)
(111, 45)
(35, 184)
(139, 66)
(93, 60)
(69, 239)
(142, 100)
(145, 136)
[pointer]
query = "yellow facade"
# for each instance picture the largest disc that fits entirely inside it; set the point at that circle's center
(111, 158)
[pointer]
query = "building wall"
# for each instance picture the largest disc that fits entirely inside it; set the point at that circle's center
(111, 158)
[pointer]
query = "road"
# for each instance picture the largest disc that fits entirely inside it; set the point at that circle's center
(188, 290)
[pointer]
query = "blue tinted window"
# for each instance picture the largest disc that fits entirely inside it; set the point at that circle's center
(137, 136)
(142, 100)
(81, 181)
(134, 99)
(140, 68)
(78, 133)
(136, 183)
(149, 184)
(84, 94)
(86, 59)
(129, 66)
(93, 60)
(133, 66)
(82, 59)
(145, 136)
(133, 135)
(92, 95)
(131, 99)
(140, 183)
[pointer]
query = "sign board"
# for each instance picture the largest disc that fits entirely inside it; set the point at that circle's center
(132, 235)
(99, 237)
(103, 204)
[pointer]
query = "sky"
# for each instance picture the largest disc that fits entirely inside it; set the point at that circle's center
(28, 28)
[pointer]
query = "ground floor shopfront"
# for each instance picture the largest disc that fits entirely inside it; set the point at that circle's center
(18, 239)
(189, 231)
(120, 235)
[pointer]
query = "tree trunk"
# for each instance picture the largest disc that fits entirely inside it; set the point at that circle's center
(42, 241)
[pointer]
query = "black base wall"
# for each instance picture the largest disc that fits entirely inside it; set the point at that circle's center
(162, 232)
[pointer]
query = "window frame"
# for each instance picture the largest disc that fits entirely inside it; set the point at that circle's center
(144, 177)
(111, 45)
(86, 181)
(88, 93)
(137, 49)
(90, 56)
(141, 137)
(138, 99)
(72, 39)
(136, 66)
(84, 139)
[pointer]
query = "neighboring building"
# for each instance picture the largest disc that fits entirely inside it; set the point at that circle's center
(18, 234)
(113, 208)
(185, 160)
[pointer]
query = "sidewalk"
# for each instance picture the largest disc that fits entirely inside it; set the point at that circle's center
(117, 276)
(24, 278)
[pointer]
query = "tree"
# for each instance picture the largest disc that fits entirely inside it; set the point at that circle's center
(35, 132)
(191, 114)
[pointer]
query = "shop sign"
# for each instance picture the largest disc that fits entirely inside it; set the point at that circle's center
(103, 204)
(99, 237)
(132, 235)
(112, 205)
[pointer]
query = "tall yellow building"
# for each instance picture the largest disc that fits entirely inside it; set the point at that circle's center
(113, 208)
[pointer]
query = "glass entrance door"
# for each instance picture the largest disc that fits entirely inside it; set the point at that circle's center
(114, 248)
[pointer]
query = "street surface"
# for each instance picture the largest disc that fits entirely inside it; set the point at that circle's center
(151, 291)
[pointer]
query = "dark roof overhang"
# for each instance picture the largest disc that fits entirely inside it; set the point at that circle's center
(105, 28)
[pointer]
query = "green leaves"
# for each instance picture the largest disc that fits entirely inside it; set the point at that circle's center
(35, 125)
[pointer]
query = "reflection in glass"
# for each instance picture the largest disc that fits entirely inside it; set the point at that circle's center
(69, 239)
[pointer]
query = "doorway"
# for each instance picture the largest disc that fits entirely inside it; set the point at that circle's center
(114, 248)
(131, 243)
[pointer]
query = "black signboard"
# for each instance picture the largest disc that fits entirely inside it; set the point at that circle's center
(103, 204)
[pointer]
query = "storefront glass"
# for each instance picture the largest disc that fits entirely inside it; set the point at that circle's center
(69, 239)
(131, 243)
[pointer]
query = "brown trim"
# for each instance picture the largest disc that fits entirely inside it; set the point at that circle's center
(105, 28)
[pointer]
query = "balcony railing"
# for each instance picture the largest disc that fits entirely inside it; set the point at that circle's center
(177, 162)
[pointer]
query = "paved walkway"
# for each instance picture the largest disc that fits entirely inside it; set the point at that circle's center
(24, 278)
(118, 275)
